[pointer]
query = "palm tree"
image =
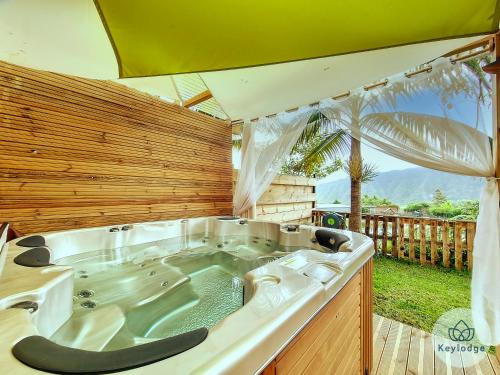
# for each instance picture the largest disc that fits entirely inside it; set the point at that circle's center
(335, 142)
(375, 112)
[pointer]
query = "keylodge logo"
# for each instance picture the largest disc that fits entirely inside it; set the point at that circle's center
(461, 332)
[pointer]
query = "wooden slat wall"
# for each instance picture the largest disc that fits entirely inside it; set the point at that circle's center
(77, 153)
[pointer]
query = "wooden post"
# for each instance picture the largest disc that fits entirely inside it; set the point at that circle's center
(401, 242)
(411, 239)
(496, 108)
(496, 129)
(317, 218)
(394, 229)
(458, 246)
(494, 68)
(384, 235)
(496, 122)
(471, 232)
(346, 218)
(423, 250)
(375, 233)
(446, 249)
(434, 253)
(367, 225)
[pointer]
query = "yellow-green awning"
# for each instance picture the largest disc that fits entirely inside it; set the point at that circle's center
(156, 37)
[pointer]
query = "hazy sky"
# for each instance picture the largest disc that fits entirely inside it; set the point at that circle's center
(382, 161)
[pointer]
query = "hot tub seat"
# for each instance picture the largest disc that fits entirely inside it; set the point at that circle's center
(36, 257)
(43, 354)
(330, 239)
(31, 241)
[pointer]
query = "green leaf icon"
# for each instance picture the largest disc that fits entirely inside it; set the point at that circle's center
(461, 332)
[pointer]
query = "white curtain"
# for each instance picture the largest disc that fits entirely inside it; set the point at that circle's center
(486, 269)
(439, 120)
(266, 143)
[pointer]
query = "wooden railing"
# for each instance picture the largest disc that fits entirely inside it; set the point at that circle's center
(445, 242)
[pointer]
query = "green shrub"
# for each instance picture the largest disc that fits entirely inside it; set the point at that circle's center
(419, 206)
(366, 200)
(445, 210)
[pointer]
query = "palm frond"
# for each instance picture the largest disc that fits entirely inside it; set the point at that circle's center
(315, 125)
(329, 147)
(237, 142)
(423, 133)
(358, 170)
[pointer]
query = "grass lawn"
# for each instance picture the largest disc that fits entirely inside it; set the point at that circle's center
(418, 295)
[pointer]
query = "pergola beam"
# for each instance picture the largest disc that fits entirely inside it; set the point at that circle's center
(494, 68)
(197, 99)
(497, 128)
(486, 41)
(497, 114)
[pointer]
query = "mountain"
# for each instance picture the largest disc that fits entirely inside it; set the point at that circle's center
(405, 186)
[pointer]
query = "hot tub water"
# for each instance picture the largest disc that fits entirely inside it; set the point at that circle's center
(135, 294)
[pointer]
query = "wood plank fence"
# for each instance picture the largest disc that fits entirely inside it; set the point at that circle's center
(289, 199)
(420, 239)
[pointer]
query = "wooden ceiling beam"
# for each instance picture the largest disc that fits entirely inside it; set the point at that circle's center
(197, 99)
(486, 41)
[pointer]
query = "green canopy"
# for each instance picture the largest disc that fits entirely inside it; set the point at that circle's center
(156, 37)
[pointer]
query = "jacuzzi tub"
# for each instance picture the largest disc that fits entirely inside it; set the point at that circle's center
(115, 290)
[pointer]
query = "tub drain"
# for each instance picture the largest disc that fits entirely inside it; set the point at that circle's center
(85, 293)
(88, 304)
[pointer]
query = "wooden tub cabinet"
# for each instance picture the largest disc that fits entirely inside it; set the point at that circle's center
(338, 340)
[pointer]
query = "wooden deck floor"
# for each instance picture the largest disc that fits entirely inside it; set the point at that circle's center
(403, 350)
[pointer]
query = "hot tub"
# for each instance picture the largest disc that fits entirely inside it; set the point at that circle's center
(204, 295)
